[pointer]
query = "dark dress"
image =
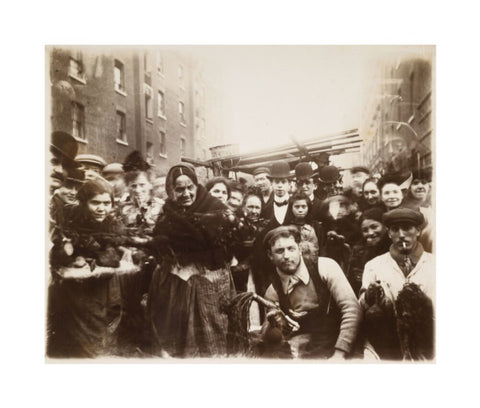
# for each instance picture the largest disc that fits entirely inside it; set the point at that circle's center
(192, 286)
(84, 314)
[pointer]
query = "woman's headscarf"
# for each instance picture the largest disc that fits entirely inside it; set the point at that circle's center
(183, 169)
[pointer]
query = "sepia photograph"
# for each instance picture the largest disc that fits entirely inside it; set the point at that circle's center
(240, 203)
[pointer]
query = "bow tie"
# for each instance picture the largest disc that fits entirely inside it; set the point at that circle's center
(281, 204)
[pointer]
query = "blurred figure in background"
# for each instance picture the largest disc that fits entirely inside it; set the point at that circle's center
(261, 178)
(371, 193)
(159, 188)
(306, 181)
(329, 182)
(92, 165)
(237, 193)
(114, 174)
(219, 187)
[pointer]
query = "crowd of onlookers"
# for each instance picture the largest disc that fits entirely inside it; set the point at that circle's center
(145, 266)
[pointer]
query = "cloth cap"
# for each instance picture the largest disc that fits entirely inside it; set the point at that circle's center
(399, 215)
(280, 169)
(359, 169)
(92, 159)
(329, 174)
(113, 168)
(282, 230)
(304, 171)
(260, 170)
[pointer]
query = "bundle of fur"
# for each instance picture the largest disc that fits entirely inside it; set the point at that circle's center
(415, 323)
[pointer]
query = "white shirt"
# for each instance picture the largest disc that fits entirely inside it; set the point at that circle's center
(280, 211)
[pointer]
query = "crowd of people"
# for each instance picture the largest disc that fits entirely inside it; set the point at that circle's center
(171, 267)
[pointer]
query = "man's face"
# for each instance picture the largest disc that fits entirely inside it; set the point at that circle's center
(184, 191)
(280, 186)
(391, 195)
(285, 255)
(99, 206)
(306, 186)
(252, 208)
(68, 193)
(140, 188)
(404, 236)
(419, 189)
(59, 172)
(236, 198)
(372, 231)
(358, 179)
(262, 181)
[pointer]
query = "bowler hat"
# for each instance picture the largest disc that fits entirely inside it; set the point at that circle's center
(280, 170)
(304, 171)
(284, 229)
(260, 170)
(422, 174)
(329, 174)
(406, 215)
(64, 144)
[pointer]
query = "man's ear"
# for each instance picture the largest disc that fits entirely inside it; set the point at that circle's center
(269, 254)
(389, 233)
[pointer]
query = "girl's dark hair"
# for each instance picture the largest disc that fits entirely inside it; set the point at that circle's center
(370, 180)
(216, 180)
(93, 187)
(298, 195)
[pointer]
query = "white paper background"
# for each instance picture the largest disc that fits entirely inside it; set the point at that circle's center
(27, 27)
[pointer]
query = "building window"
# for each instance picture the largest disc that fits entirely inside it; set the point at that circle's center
(183, 145)
(181, 111)
(78, 121)
(180, 75)
(119, 77)
(160, 69)
(161, 104)
(148, 102)
(149, 155)
(163, 143)
(76, 68)
(121, 127)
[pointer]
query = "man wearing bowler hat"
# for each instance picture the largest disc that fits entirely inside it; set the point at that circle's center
(306, 181)
(329, 182)
(63, 148)
(318, 312)
(280, 178)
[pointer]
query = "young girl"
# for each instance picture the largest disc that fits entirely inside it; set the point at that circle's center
(298, 214)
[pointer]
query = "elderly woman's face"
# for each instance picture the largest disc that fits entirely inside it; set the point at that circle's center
(184, 191)
(219, 191)
(140, 188)
(99, 206)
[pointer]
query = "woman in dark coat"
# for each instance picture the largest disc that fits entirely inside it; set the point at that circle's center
(84, 301)
(192, 286)
(375, 242)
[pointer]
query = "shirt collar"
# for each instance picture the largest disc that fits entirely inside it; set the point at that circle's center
(301, 273)
(414, 256)
(280, 199)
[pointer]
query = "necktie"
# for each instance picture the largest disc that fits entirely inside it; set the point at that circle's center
(407, 265)
(281, 204)
(294, 280)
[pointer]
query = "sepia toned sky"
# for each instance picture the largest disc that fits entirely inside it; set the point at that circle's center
(271, 92)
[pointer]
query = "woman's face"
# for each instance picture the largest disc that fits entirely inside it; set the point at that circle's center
(140, 188)
(371, 193)
(219, 191)
(419, 189)
(372, 231)
(184, 191)
(392, 195)
(300, 209)
(99, 206)
(252, 208)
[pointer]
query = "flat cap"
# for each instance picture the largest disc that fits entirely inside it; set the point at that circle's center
(91, 158)
(407, 215)
(260, 170)
(113, 168)
(284, 229)
(359, 169)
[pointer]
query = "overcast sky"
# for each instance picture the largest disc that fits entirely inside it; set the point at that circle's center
(272, 92)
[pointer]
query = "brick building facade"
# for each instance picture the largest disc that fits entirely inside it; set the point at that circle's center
(115, 100)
